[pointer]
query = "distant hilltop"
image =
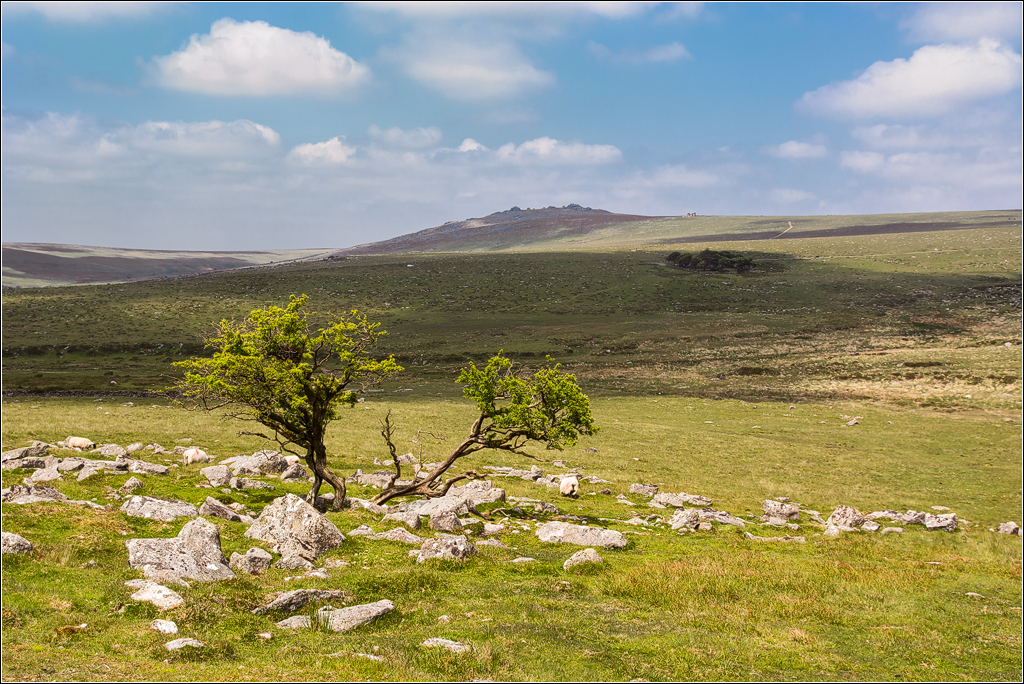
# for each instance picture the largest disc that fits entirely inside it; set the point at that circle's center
(501, 230)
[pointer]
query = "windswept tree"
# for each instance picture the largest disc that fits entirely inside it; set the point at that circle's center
(515, 409)
(277, 369)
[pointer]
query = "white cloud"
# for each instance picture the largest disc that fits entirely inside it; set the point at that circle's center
(794, 149)
(331, 152)
(672, 52)
(859, 160)
(416, 137)
(255, 58)
(470, 145)
(86, 11)
(470, 71)
(936, 79)
(791, 196)
(965, 21)
(952, 172)
(548, 151)
(218, 139)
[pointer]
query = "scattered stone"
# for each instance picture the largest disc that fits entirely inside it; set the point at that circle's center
(888, 514)
(566, 533)
(295, 528)
(399, 534)
(157, 594)
(354, 503)
(453, 646)
(870, 526)
(347, 619)
(47, 474)
(491, 542)
(296, 622)
(892, 530)
(411, 520)
(133, 447)
(248, 483)
(780, 509)
(294, 562)
(446, 522)
(153, 508)
(705, 527)
(213, 508)
(21, 494)
(442, 504)
(113, 450)
(194, 554)
(254, 562)
(680, 500)
(914, 517)
(14, 543)
(941, 508)
(685, 518)
(845, 516)
(721, 517)
(787, 538)
(946, 522)
(379, 479)
(133, 484)
(164, 626)
(291, 601)
(643, 489)
(1009, 528)
(446, 547)
(216, 475)
(294, 473)
(179, 644)
(492, 528)
(581, 557)
(362, 531)
(523, 559)
(604, 491)
(265, 462)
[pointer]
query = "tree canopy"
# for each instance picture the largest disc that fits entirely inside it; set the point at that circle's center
(277, 369)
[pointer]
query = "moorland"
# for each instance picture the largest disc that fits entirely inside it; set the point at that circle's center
(868, 361)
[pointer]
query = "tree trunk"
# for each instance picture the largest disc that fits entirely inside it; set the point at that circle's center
(321, 473)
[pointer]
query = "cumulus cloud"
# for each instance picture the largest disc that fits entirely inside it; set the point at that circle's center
(672, 52)
(216, 139)
(934, 80)
(470, 71)
(985, 169)
(470, 145)
(548, 151)
(794, 149)
(255, 58)
(85, 11)
(330, 152)
(416, 137)
(965, 21)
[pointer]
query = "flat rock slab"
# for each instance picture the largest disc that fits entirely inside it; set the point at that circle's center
(680, 500)
(157, 594)
(13, 543)
(946, 522)
(213, 508)
(581, 535)
(780, 509)
(145, 468)
(346, 619)
(446, 547)
(296, 622)
(453, 646)
(291, 601)
(187, 642)
(152, 508)
(295, 528)
(787, 538)
(582, 557)
(194, 554)
(399, 534)
(643, 489)
(216, 475)
(164, 626)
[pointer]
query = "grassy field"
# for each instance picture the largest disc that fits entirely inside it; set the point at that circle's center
(737, 387)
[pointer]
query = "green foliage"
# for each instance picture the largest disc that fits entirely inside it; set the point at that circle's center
(711, 260)
(547, 407)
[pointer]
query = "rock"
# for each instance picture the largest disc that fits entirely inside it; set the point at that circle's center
(453, 646)
(28, 463)
(870, 526)
(247, 483)
(379, 479)
(446, 547)
(153, 508)
(296, 622)
(491, 542)
(264, 462)
(78, 443)
(133, 447)
(892, 530)
(133, 484)
(44, 475)
(399, 534)
(294, 473)
(780, 509)
(354, 503)
(187, 642)
(705, 527)
(157, 594)
(786, 538)
(523, 559)
(294, 562)
(1009, 528)
(580, 557)
(946, 522)
(295, 528)
(721, 517)
(410, 520)
(446, 522)
(13, 543)
(20, 494)
(442, 504)
(194, 554)
(492, 528)
(164, 626)
(291, 601)
(194, 455)
(213, 508)
(566, 533)
(24, 452)
(643, 489)
(346, 619)
(845, 516)
(113, 450)
(362, 531)
(477, 492)
(914, 518)
(254, 562)
(680, 500)
(216, 475)
(86, 473)
(890, 514)
(684, 517)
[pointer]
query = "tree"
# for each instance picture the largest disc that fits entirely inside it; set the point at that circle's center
(274, 368)
(515, 409)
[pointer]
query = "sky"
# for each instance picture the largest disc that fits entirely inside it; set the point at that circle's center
(227, 126)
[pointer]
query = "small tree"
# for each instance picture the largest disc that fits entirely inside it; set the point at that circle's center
(516, 409)
(274, 368)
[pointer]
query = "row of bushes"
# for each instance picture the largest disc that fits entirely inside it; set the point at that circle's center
(710, 260)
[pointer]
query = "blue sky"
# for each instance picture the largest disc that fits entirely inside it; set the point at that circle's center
(249, 126)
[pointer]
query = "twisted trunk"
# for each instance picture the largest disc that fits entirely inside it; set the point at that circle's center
(316, 459)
